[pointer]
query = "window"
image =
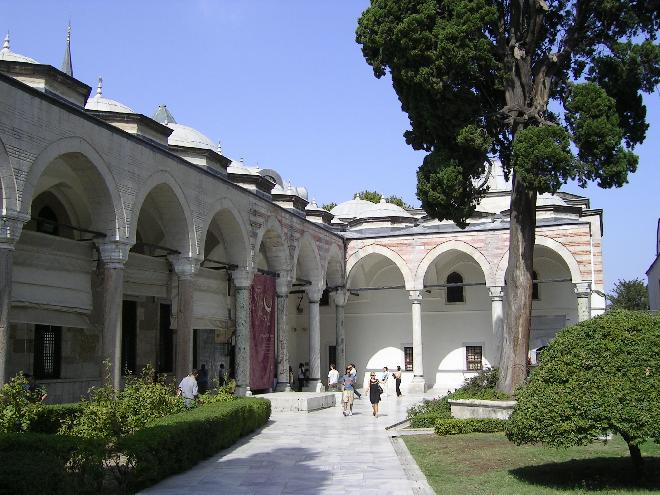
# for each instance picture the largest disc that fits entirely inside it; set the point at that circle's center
(47, 351)
(535, 286)
(325, 298)
(128, 336)
(473, 357)
(332, 355)
(47, 221)
(455, 293)
(408, 358)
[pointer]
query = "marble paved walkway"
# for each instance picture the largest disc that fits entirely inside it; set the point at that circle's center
(306, 453)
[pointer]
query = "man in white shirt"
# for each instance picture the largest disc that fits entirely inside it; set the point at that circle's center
(333, 377)
(188, 388)
(383, 380)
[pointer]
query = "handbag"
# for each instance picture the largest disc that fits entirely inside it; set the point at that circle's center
(380, 390)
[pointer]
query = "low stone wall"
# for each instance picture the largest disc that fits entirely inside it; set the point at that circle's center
(301, 401)
(474, 408)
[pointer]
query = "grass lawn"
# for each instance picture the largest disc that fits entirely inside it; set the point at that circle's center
(487, 463)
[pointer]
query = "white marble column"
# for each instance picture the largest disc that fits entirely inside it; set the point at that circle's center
(242, 282)
(314, 296)
(185, 268)
(341, 297)
(583, 293)
(11, 225)
(497, 313)
(418, 383)
(282, 346)
(112, 257)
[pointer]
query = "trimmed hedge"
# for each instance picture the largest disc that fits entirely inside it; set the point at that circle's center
(475, 425)
(37, 463)
(175, 443)
(425, 420)
(49, 419)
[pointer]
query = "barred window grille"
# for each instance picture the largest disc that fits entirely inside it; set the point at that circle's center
(47, 351)
(408, 358)
(473, 354)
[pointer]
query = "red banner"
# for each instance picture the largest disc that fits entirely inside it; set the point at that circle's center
(262, 335)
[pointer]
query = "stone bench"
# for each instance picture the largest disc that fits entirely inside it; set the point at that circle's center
(475, 408)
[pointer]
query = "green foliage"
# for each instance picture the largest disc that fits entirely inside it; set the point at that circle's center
(476, 78)
(219, 394)
(20, 407)
(175, 443)
(475, 425)
(629, 294)
(602, 375)
(375, 197)
(110, 414)
(51, 417)
(481, 386)
(34, 463)
(328, 206)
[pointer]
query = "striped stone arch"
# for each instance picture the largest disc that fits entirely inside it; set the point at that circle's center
(333, 266)
(236, 231)
(315, 268)
(453, 245)
(557, 247)
(272, 235)
(8, 194)
(388, 253)
(102, 183)
(186, 243)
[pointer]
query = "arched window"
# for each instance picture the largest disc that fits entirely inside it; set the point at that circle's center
(47, 221)
(455, 293)
(535, 286)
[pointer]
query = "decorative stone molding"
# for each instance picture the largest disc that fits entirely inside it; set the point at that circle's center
(242, 278)
(185, 267)
(11, 226)
(314, 293)
(113, 254)
(415, 296)
(496, 293)
(341, 297)
(583, 289)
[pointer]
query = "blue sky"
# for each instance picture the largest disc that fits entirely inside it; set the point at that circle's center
(283, 85)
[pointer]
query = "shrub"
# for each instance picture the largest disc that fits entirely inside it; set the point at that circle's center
(219, 394)
(598, 376)
(425, 420)
(49, 464)
(19, 406)
(176, 443)
(110, 414)
(51, 417)
(474, 425)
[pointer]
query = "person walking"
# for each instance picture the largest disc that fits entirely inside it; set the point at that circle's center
(222, 377)
(354, 374)
(348, 382)
(397, 380)
(333, 377)
(301, 377)
(383, 379)
(203, 379)
(188, 389)
(375, 392)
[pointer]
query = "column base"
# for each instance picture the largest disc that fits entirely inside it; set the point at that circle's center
(242, 391)
(283, 387)
(417, 386)
(314, 386)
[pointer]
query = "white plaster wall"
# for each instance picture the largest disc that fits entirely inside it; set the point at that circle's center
(654, 286)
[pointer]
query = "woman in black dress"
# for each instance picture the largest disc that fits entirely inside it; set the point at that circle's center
(374, 392)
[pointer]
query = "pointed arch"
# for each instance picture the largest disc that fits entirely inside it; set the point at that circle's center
(333, 267)
(186, 244)
(271, 235)
(8, 195)
(113, 215)
(234, 231)
(313, 267)
(388, 253)
(557, 247)
(453, 245)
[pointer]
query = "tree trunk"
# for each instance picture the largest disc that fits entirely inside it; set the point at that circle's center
(635, 456)
(518, 292)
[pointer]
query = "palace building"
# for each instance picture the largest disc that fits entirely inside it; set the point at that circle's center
(133, 240)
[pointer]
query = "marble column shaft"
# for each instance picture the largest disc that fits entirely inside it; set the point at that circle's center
(113, 295)
(340, 336)
(418, 364)
(6, 259)
(242, 358)
(497, 314)
(583, 293)
(283, 343)
(314, 295)
(184, 327)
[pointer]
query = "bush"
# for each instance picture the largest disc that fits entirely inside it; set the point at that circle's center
(481, 386)
(475, 425)
(51, 417)
(49, 464)
(109, 413)
(598, 376)
(19, 406)
(425, 420)
(175, 443)
(218, 394)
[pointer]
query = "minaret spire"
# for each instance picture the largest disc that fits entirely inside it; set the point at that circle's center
(5, 43)
(67, 67)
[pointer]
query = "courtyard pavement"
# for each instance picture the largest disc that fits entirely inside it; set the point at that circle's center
(309, 453)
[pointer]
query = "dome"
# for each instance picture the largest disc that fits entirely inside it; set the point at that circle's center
(547, 199)
(102, 104)
(384, 210)
(352, 208)
(9, 56)
(302, 192)
(183, 135)
(240, 168)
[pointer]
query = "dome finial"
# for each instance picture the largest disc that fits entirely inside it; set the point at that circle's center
(67, 66)
(5, 43)
(219, 147)
(99, 87)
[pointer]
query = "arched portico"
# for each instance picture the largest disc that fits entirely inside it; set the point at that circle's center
(453, 245)
(387, 253)
(8, 201)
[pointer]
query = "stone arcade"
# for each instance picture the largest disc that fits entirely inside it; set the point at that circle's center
(135, 240)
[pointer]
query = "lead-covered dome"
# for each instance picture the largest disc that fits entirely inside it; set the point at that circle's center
(384, 210)
(352, 209)
(100, 103)
(182, 135)
(9, 56)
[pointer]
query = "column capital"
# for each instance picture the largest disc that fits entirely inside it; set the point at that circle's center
(242, 278)
(283, 283)
(185, 267)
(11, 226)
(113, 253)
(341, 297)
(415, 296)
(583, 289)
(314, 293)
(496, 293)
